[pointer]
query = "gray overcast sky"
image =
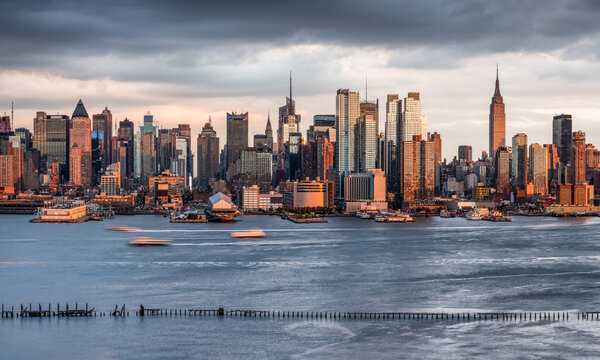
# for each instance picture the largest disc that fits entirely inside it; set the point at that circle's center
(184, 60)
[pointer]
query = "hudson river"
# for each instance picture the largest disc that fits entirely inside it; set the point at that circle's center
(432, 265)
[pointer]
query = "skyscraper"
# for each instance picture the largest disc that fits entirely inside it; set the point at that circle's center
(347, 113)
(322, 125)
(147, 156)
(502, 157)
(81, 147)
(417, 181)
(102, 126)
(368, 146)
(497, 120)
(289, 122)
(371, 110)
(237, 136)
(256, 169)
(465, 153)
(325, 156)
(519, 161)
(57, 144)
(437, 149)
(39, 137)
(393, 118)
(5, 124)
(413, 120)
(553, 162)
(125, 136)
(538, 168)
(208, 154)
(562, 127)
(186, 131)
(148, 125)
(578, 157)
(269, 133)
(165, 145)
(264, 142)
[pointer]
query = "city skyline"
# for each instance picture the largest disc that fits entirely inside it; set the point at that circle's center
(186, 81)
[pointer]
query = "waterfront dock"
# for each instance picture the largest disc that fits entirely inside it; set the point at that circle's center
(66, 311)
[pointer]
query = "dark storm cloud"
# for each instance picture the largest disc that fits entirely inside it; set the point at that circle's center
(32, 29)
(189, 49)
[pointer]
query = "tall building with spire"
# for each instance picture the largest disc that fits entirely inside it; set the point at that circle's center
(81, 147)
(264, 142)
(269, 132)
(289, 123)
(497, 120)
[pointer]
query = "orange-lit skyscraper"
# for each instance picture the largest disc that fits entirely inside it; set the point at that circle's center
(417, 181)
(538, 169)
(578, 157)
(497, 120)
(81, 136)
(325, 154)
(502, 157)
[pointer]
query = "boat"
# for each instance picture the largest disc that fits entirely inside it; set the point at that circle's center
(394, 217)
(447, 214)
(249, 234)
(148, 241)
(364, 215)
(123, 228)
(496, 216)
(474, 215)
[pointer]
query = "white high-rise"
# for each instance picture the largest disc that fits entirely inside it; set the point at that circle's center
(347, 111)
(393, 115)
(413, 121)
(368, 136)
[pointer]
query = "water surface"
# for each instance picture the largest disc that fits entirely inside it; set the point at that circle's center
(349, 264)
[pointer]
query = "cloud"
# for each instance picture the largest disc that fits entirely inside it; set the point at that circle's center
(184, 60)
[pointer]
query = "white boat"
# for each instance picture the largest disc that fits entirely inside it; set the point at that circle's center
(249, 234)
(473, 215)
(364, 215)
(123, 228)
(395, 217)
(148, 241)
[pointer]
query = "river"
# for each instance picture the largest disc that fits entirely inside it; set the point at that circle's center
(348, 264)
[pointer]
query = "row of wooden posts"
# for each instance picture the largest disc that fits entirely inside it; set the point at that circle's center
(77, 311)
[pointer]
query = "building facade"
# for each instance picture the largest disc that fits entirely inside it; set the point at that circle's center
(81, 139)
(519, 161)
(347, 113)
(208, 154)
(237, 136)
(562, 138)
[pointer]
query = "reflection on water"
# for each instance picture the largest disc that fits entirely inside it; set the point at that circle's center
(531, 264)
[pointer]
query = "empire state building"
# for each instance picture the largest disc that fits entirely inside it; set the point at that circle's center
(497, 121)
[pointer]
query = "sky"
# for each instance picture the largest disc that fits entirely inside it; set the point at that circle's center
(186, 60)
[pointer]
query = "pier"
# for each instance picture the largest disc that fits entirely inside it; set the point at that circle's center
(48, 311)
